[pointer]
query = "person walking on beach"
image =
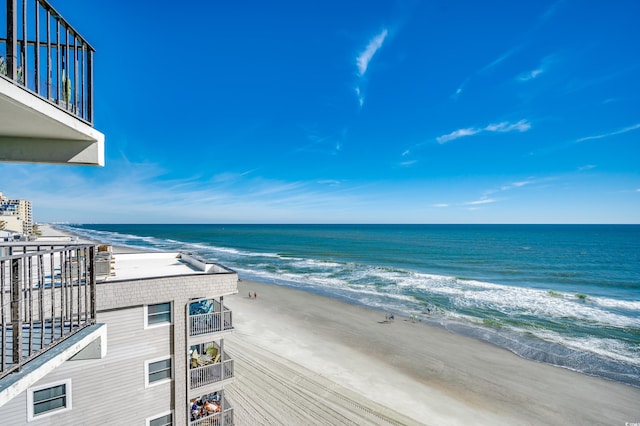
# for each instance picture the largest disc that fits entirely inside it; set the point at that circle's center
(255, 295)
(249, 295)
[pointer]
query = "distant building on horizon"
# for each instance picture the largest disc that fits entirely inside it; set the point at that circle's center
(16, 215)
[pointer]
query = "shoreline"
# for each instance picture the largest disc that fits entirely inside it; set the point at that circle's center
(57, 235)
(425, 372)
(306, 358)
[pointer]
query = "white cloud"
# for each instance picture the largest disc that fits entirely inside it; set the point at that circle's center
(363, 60)
(515, 185)
(503, 127)
(587, 167)
(365, 57)
(530, 75)
(459, 90)
(457, 134)
(359, 96)
(501, 58)
(329, 182)
(614, 133)
(545, 64)
(441, 205)
(485, 69)
(481, 201)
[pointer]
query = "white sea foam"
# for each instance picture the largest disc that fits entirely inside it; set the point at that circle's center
(609, 348)
(509, 300)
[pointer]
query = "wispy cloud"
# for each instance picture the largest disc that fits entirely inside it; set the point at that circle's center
(613, 133)
(329, 182)
(480, 202)
(152, 196)
(544, 66)
(364, 59)
(323, 143)
(457, 134)
(360, 96)
(528, 36)
(441, 205)
(485, 69)
(460, 89)
(587, 167)
(489, 196)
(519, 184)
(500, 59)
(502, 127)
(611, 100)
(530, 75)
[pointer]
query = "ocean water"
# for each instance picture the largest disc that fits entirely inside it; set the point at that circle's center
(567, 295)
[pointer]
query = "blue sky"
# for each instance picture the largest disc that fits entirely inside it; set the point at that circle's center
(354, 112)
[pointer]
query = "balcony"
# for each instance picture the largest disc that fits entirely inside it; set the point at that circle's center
(211, 410)
(208, 316)
(47, 294)
(46, 88)
(210, 365)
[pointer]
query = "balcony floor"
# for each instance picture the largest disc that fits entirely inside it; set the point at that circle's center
(39, 337)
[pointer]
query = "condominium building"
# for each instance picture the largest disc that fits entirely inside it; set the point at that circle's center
(142, 345)
(17, 215)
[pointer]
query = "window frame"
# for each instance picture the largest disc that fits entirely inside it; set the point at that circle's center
(147, 364)
(160, 323)
(31, 415)
(157, 416)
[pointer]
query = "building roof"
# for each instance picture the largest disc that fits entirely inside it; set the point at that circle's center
(127, 266)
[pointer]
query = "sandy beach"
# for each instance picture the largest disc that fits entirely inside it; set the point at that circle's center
(305, 359)
(49, 233)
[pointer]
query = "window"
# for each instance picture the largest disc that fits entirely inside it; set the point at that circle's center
(158, 371)
(48, 399)
(163, 420)
(159, 314)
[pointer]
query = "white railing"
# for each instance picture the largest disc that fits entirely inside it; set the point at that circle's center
(212, 373)
(210, 323)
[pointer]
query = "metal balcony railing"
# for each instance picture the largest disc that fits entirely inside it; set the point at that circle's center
(47, 293)
(41, 52)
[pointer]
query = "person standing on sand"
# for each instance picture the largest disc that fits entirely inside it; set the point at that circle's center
(255, 295)
(249, 295)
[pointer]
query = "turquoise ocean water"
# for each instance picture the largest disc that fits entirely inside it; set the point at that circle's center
(567, 295)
